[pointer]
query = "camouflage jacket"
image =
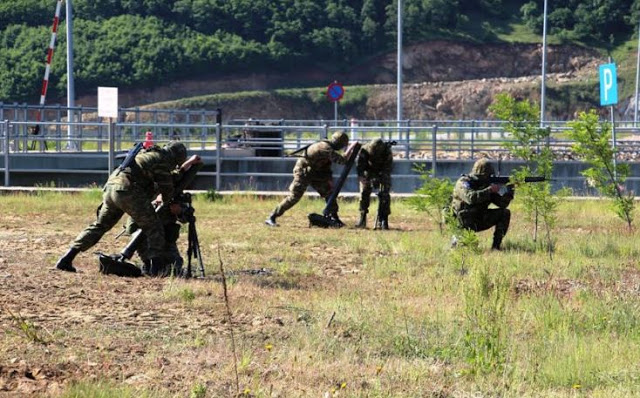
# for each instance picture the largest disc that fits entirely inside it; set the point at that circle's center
(374, 165)
(155, 171)
(319, 157)
(472, 195)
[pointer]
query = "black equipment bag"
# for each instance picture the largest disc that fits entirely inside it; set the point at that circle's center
(115, 265)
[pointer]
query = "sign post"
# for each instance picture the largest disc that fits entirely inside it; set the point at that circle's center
(335, 92)
(108, 107)
(609, 96)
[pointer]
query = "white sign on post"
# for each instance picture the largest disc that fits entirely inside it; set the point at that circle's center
(108, 102)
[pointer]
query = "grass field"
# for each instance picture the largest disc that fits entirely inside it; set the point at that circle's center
(335, 313)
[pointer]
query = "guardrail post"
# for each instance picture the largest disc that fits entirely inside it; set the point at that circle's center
(434, 147)
(25, 128)
(325, 130)
(118, 135)
(186, 135)
(80, 130)
(6, 153)
(111, 132)
(15, 119)
(58, 128)
(408, 143)
(203, 121)
(99, 135)
(473, 135)
(155, 126)
(136, 128)
(218, 154)
(460, 134)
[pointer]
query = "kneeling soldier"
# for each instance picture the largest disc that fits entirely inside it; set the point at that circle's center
(472, 195)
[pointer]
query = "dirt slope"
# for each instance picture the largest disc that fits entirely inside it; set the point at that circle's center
(448, 80)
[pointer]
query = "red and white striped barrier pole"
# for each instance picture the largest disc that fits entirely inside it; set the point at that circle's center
(47, 70)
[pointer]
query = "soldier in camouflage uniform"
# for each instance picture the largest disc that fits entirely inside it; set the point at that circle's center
(472, 195)
(314, 169)
(169, 219)
(374, 164)
(131, 191)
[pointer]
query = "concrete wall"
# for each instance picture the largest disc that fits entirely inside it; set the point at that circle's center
(261, 174)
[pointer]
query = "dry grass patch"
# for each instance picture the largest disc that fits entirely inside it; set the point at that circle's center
(315, 312)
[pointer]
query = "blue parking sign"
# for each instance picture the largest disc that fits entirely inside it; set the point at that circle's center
(608, 85)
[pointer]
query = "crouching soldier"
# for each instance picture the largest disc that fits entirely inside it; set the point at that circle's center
(131, 190)
(373, 166)
(173, 259)
(472, 195)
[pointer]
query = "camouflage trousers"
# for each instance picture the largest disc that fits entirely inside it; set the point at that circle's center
(383, 185)
(482, 221)
(302, 178)
(171, 235)
(115, 203)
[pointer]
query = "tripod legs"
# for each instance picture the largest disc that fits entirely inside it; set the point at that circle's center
(193, 250)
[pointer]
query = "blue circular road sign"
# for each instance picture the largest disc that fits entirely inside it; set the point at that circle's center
(335, 92)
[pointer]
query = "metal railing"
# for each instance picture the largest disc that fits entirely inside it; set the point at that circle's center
(254, 140)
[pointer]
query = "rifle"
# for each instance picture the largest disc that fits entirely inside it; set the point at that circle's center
(506, 180)
(297, 151)
(324, 220)
(507, 185)
(131, 155)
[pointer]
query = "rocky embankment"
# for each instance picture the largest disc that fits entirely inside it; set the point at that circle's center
(442, 80)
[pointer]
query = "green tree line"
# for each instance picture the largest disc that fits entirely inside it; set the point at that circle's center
(138, 43)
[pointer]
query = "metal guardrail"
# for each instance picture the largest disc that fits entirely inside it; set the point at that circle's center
(426, 140)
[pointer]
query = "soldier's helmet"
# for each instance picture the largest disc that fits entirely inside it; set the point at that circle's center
(339, 139)
(483, 168)
(178, 150)
(377, 147)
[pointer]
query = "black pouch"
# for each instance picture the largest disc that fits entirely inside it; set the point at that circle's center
(319, 220)
(115, 265)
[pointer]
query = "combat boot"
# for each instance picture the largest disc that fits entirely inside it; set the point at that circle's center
(384, 224)
(146, 267)
(335, 221)
(176, 267)
(363, 220)
(158, 267)
(271, 221)
(65, 262)
(497, 242)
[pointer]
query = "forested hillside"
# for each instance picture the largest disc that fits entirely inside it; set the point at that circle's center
(132, 43)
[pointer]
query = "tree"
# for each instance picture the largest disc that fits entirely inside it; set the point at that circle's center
(592, 143)
(522, 122)
(372, 16)
(22, 63)
(434, 198)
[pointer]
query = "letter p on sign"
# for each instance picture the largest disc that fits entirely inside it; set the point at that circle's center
(608, 85)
